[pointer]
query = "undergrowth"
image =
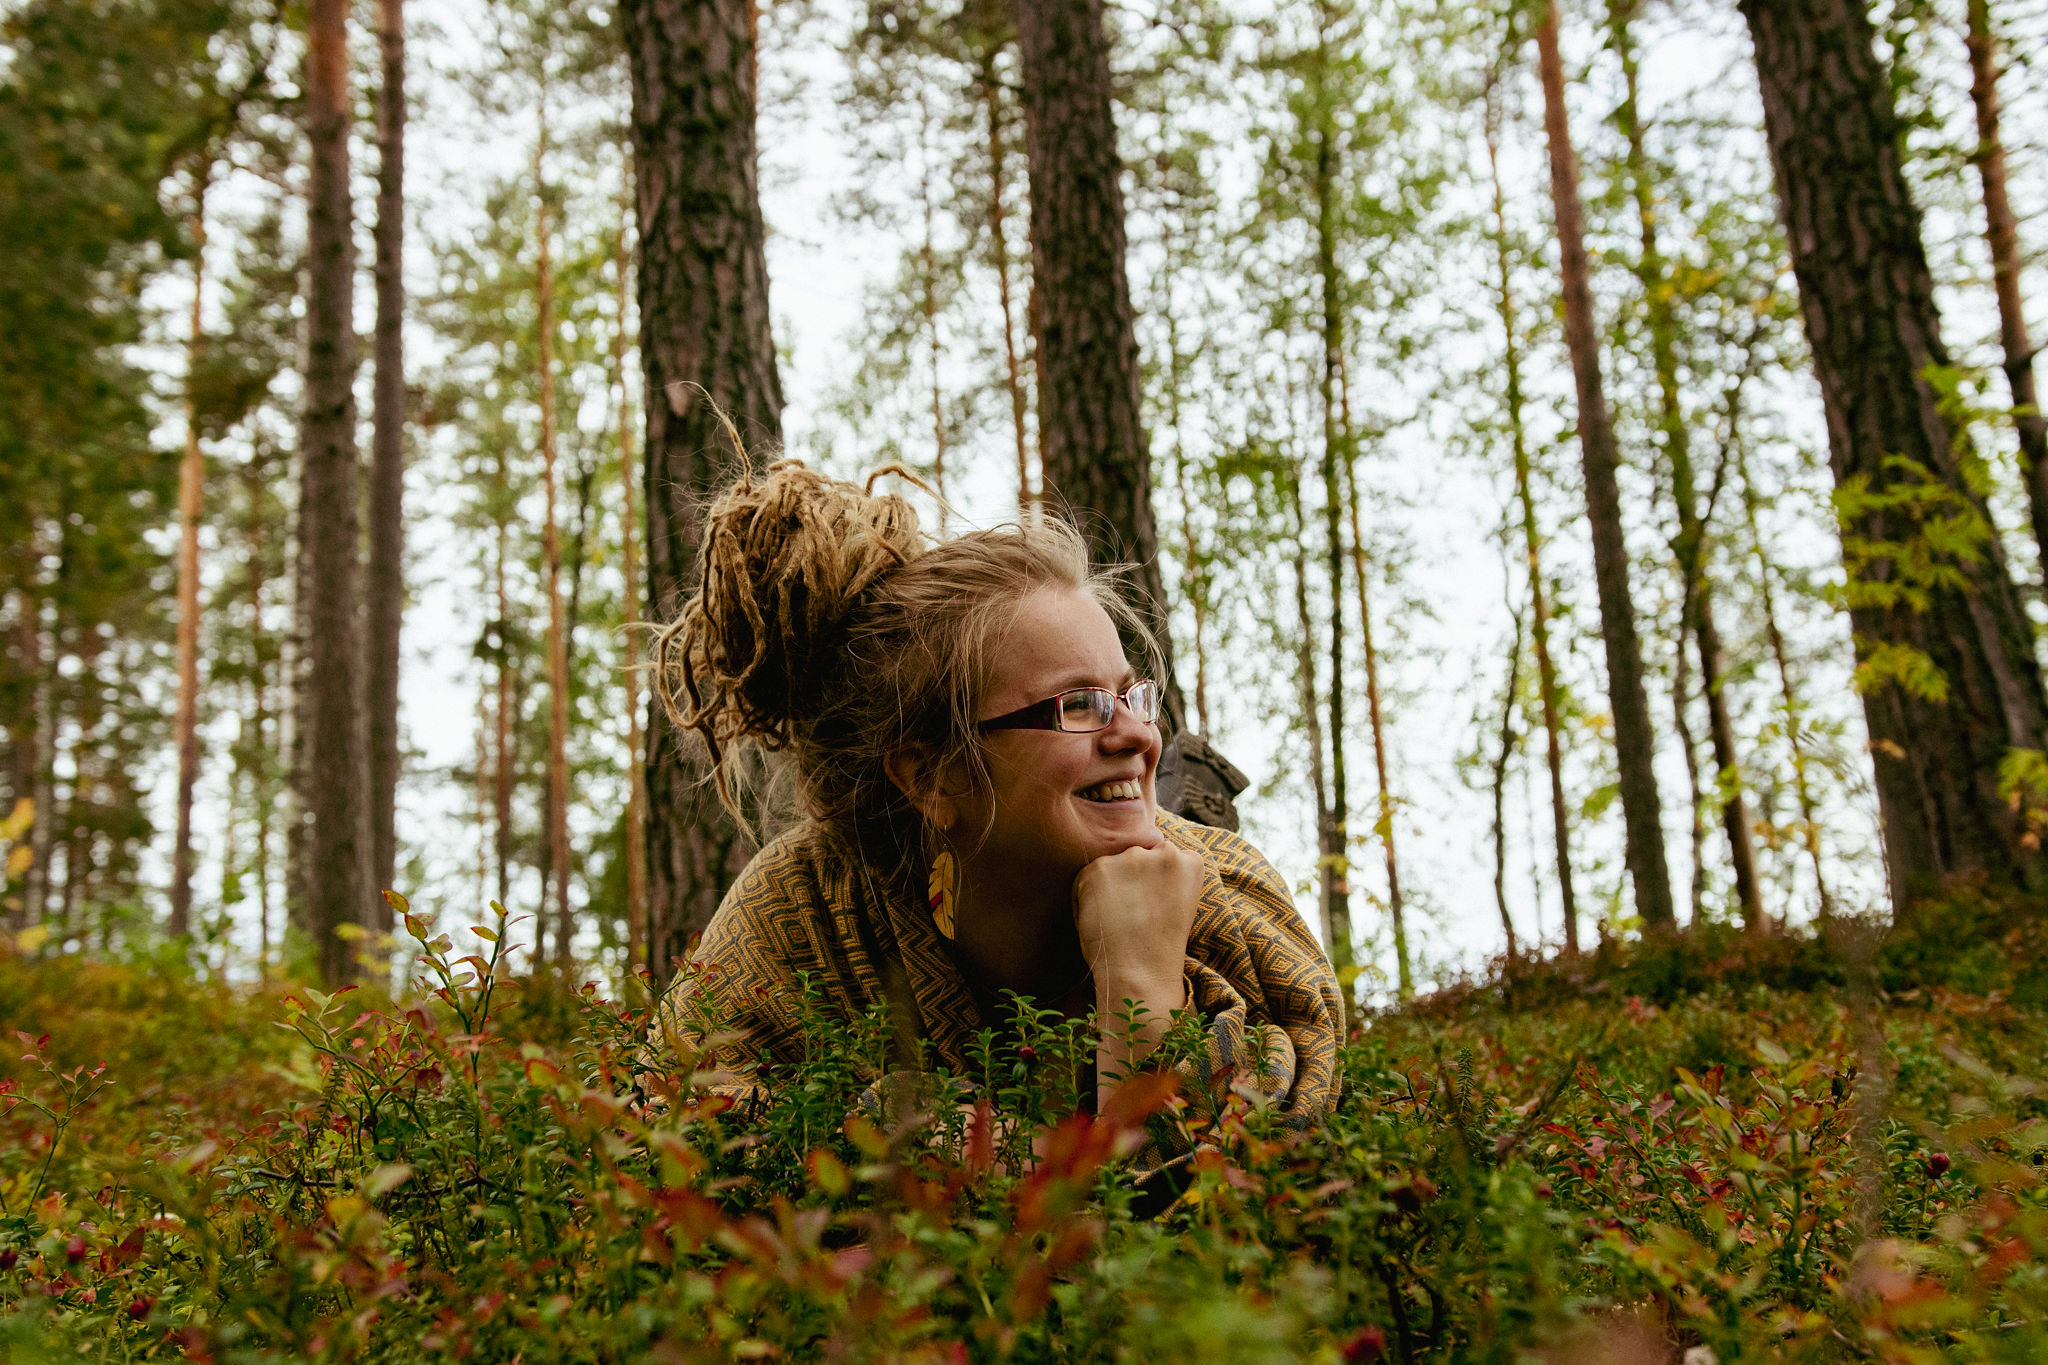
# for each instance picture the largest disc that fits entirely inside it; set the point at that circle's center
(1550, 1166)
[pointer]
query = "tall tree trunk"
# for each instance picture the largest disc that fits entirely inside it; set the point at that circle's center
(1692, 543)
(928, 260)
(384, 592)
(2001, 230)
(551, 554)
(1193, 572)
(501, 711)
(1681, 720)
(1092, 448)
(191, 492)
(1532, 543)
(629, 566)
(337, 844)
(1337, 944)
(259, 710)
(1383, 824)
(705, 347)
(999, 256)
(1336, 462)
(1634, 741)
(1503, 757)
(1868, 300)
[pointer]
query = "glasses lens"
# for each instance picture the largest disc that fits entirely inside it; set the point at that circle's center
(1144, 700)
(1087, 708)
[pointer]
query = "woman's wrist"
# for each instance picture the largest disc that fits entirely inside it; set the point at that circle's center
(1161, 992)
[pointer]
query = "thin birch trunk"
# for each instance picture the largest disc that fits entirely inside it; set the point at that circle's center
(1532, 542)
(1681, 720)
(1634, 739)
(191, 494)
(2001, 231)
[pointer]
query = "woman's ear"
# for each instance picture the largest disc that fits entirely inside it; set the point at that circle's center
(915, 772)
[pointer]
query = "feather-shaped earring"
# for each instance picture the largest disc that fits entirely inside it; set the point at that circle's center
(943, 883)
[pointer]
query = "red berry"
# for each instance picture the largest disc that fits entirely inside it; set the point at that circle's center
(139, 1308)
(1544, 1191)
(1028, 1053)
(9, 1259)
(1937, 1166)
(1369, 1344)
(74, 1250)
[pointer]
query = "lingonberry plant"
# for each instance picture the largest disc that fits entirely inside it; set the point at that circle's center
(483, 1170)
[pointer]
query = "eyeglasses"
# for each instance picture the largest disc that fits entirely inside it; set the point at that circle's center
(1080, 710)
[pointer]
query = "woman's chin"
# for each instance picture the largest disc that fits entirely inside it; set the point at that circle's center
(1125, 824)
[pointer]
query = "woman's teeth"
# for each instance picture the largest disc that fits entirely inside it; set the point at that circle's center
(1125, 790)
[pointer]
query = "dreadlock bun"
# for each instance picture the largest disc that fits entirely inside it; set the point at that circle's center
(785, 561)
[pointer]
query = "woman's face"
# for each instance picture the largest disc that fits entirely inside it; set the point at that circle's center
(1059, 800)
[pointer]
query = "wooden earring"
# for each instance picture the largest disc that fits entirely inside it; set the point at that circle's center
(943, 883)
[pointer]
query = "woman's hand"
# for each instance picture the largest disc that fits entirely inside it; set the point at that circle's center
(1133, 911)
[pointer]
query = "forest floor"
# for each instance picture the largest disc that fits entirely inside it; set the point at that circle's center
(1652, 1155)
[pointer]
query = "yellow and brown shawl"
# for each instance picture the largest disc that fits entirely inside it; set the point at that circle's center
(1254, 972)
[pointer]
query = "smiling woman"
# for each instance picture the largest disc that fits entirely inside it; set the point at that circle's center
(972, 757)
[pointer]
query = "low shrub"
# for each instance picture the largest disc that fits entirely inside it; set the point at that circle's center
(503, 1170)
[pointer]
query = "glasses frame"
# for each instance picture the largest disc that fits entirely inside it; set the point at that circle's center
(1045, 715)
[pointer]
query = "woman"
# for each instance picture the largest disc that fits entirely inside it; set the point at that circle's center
(973, 760)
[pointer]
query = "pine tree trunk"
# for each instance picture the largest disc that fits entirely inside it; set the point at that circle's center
(2001, 230)
(551, 555)
(337, 845)
(629, 568)
(1634, 740)
(384, 592)
(1092, 449)
(191, 492)
(1532, 543)
(501, 710)
(1502, 758)
(1337, 455)
(1336, 944)
(999, 255)
(705, 346)
(1868, 301)
(1691, 545)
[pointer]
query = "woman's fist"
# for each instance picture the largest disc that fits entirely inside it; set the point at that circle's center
(1133, 911)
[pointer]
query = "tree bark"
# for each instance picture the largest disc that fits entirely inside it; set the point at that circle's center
(1336, 944)
(501, 710)
(384, 592)
(551, 555)
(1503, 757)
(191, 493)
(2001, 231)
(705, 347)
(1532, 541)
(1692, 544)
(629, 567)
(337, 847)
(999, 257)
(1634, 740)
(1336, 462)
(1871, 321)
(1093, 454)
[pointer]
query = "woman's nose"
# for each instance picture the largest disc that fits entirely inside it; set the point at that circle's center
(1126, 732)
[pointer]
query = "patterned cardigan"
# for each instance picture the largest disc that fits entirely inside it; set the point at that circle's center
(1254, 971)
